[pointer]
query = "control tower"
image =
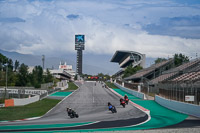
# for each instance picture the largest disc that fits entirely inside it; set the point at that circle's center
(79, 46)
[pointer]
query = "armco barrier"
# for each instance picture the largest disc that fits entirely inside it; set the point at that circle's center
(135, 93)
(181, 107)
(25, 101)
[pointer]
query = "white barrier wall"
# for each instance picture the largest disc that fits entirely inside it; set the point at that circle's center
(135, 93)
(181, 107)
(25, 101)
(26, 91)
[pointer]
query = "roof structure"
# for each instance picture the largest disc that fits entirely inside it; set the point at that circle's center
(125, 58)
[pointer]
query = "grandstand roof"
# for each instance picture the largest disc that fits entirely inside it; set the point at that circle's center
(147, 71)
(120, 54)
(125, 58)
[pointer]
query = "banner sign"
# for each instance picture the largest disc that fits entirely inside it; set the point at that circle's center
(79, 39)
(189, 98)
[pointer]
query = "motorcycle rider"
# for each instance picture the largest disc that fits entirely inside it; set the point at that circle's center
(71, 113)
(112, 108)
(122, 101)
(126, 99)
(109, 106)
(125, 96)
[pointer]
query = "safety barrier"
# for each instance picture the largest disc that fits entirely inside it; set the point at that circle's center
(181, 107)
(25, 101)
(135, 93)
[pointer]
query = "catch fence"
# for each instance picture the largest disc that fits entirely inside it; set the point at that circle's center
(188, 92)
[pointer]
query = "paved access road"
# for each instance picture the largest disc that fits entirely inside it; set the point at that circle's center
(90, 102)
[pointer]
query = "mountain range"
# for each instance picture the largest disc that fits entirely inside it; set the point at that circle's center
(92, 64)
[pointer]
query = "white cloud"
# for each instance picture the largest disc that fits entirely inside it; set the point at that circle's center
(108, 26)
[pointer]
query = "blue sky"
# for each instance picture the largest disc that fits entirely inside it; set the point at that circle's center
(157, 28)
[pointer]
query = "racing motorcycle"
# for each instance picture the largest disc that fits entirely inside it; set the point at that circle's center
(122, 102)
(112, 108)
(73, 115)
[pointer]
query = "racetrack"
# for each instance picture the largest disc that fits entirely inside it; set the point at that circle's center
(90, 102)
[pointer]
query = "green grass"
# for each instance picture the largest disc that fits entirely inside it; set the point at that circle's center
(111, 85)
(31, 110)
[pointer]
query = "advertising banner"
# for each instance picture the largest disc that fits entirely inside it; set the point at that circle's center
(189, 98)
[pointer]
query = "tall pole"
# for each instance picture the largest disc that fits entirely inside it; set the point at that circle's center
(43, 59)
(6, 81)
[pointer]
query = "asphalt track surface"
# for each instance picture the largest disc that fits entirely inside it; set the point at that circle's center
(90, 102)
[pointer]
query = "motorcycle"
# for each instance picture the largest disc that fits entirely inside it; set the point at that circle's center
(112, 108)
(122, 102)
(73, 115)
(126, 100)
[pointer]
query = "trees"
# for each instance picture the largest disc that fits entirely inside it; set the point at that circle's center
(48, 77)
(37, 77)
(3, 61)
(159, 60)
(22, 76)
(131, 70)
(179, 59)
(16, 66)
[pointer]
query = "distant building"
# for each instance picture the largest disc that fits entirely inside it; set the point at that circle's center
(65, 72)
(67, 68)
(61, 74)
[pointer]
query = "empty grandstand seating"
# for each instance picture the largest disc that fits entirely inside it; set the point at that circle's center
(163, 77)
(190, 69)
(151, 71)
(191, 76)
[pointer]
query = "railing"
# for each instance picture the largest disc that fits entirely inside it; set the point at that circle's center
(133, 86)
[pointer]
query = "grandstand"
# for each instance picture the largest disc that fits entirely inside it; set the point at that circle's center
(151, 72)
(176, 74)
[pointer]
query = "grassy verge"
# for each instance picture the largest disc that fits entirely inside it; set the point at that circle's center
(71, 87)
(111, 85)
(31, 110)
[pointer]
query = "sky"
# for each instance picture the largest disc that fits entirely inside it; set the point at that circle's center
(157, 28)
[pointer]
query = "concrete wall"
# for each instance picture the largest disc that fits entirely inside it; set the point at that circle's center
(63, 84)
(135, 93)
(181, 107)
(25, 101)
